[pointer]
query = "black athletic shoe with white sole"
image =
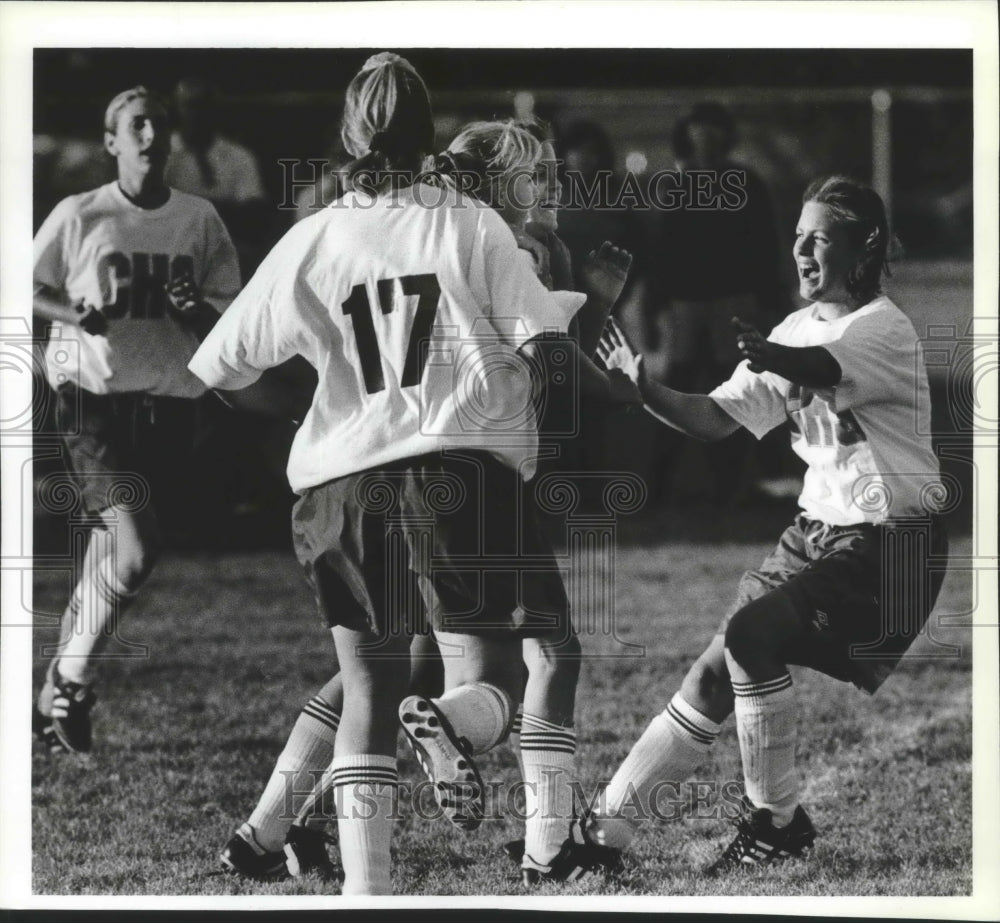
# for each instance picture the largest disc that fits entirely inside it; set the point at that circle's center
(306, 854)
(447, 761)
(240, 858)
(759, 843)
(71, 706)
(578, 856)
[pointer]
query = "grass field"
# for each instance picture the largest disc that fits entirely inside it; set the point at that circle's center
(186, 738)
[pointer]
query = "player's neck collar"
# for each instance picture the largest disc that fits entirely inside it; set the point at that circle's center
(147, 201)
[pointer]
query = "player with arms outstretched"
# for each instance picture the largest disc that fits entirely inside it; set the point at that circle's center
(848, 588)
(377, 294)
(131, 274)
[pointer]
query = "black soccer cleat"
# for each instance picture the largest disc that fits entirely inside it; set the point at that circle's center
(305, 854)
(71, 706)
(447, 760)
(514, 850)
(41, 727)
(577, 857)
(759, 843)
(239, 858)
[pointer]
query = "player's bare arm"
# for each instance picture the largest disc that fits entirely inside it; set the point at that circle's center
(809, 366)
(694, 415)
(189, 308)
(50, 304)
(272, 395)
(605, 273)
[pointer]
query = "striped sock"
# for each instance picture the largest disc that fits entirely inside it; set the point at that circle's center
(766, 724)
(479, 712)
(103, 598)
(515, 739)
(548, 752)
(669, 750)
(296, 774)
(364, 785)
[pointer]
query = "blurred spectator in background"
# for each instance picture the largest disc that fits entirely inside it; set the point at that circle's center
(587, 158)
(326, 186)
(205, 163)
(587, 155)
(712, 264)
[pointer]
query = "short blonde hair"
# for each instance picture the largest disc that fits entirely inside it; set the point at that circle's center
(122, 100)
(496, 152)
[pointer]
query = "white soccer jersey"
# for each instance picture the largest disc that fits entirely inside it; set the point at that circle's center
(101, 248)
(410, 306)
(865, 440)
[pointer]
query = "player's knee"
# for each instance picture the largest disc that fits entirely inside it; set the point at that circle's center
(747, 637)
(557, 660)
(135, 563)
(707, 688)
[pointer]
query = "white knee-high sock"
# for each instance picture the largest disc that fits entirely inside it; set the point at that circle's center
(103, 598)
(364, 785)
(548, 753)
(766, 723)
(69, 619)
(479, 712)
(670, 749)
(296, 774)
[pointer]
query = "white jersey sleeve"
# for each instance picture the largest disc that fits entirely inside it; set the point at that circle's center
(220, 280)
(754, 400)
(877, 354)
(261, 328)
(52, 245)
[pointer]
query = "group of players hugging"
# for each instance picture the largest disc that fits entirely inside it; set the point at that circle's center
(461, 249)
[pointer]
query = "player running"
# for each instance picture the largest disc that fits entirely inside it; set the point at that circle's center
(132, 274)
(848, 587)
(404, 298)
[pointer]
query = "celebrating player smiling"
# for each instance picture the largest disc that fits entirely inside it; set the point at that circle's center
(844, 373)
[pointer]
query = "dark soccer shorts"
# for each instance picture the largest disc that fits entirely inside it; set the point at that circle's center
(451, 538)
(122, 449)
(863, 592)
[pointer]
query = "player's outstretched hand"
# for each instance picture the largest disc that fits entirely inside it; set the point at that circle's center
(605, 272)
(90, 319)
(752, 344)
(615, 352)
(184, 295)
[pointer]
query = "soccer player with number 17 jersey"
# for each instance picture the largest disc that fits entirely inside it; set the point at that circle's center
(413, 305)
